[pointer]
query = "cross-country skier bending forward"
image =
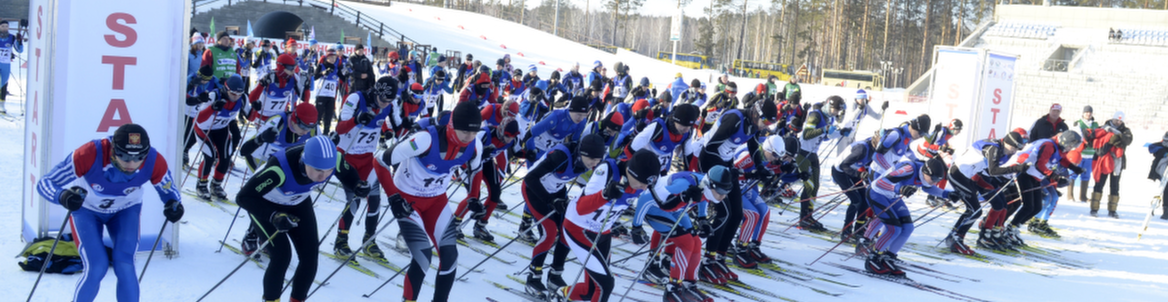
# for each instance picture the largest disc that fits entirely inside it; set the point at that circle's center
(587, 221)
(974, 173)
(417, 193)
(216, 126)
(886, 198)
(278, 202)
(665, 207)
(105, 174)
(778, 152)
(542, 186)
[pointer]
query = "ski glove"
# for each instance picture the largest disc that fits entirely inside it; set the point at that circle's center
(364, 118)
(73, 198)
(400, 208)
(692, 195)
(268, 136)
(956, 196)
(173, 210)
(805, 175)
(363, 189)
(560, 205)
(703, 228)
(884, 106)
(218, 104)
(284, 221)
(474, 205)
(638, 235)
(908, 191)
(1075, 169)
(615, 189)
(845, 131)
(204, 97)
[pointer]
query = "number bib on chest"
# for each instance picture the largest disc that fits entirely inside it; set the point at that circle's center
(327, 88)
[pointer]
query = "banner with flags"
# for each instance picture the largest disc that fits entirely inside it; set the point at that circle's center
(249, 33)
(312, 34)
(212, 26)
(342, 36)
(369, 39)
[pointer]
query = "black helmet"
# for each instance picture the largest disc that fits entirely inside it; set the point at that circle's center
(591, 145)
(835, 102)
(555, 75)
(685, 114)
(719, 179)
(131, 143)
(466, 117)
(385, 87)
(921, 123)
(644, 166)
(1068, 140)
(935, 168)
(955, 125)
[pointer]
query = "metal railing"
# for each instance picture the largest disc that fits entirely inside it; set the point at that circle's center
(1056, 65)
(332, 6)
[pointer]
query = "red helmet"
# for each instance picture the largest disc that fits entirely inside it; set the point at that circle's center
(305, 114)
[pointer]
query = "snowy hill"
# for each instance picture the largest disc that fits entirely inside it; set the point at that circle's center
(1098, 259)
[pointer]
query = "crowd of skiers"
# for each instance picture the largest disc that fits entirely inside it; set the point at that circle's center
(700, 168)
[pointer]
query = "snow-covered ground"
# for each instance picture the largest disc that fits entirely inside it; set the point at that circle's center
(1102, 259)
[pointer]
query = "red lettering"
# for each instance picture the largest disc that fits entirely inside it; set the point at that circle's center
(994, 120)
(40, 13)
(117, 108)
(954, 91)
(997, 96)
(32, 183)
(951, 107)
(36, 108)
(112, 22)
(993, 133)
(119, 68)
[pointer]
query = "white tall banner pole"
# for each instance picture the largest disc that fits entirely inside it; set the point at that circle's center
(94, 66)
(997, 96)
(956, 83)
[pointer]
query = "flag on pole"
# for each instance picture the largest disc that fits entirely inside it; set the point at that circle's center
(369, 39)
(342, 35)
(312, 34)
(249, 33)
(212, 26)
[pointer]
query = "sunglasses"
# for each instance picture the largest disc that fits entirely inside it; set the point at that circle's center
(289, 66)
(128, 157)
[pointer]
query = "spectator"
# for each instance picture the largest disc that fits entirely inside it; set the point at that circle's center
(1159, 167)
(1110, 143)
(195, 58)
(1111, 34)
(1048, 125)
(221, 57)
(464, 70)
(361, 75)
(1086, 126)
(1118, 35)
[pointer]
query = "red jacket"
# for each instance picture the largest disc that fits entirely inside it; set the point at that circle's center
(1104, 162)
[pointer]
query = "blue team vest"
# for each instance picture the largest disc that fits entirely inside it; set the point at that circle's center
(103, 187)
(291, 192)
(432, 159)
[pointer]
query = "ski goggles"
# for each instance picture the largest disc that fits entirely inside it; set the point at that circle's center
(305, 126)
(130, 157)
(289, 66)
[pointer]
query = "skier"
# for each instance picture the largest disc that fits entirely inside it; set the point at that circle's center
(216, 126)
(496, 140)
(976, 172)
(479, 91)
(1110, 143)
(464, 70)
(542, 187)
(607, 128)
(861, 111)
(821, 125)
(202, 88)
(575, 81)
(664, 135)
(1045, 157)
(1086, 127)
(263, 59)
(937, 142)
(665, 207)
(417, 197)
(280, 206)
(887, 201)
(1159, 167)
(103, 176)
(8, 43)
(434, 91)
(733, 128)
(330, 73)
(562, 126)
(891, 145)
(778, 165)
(622, 82)
(695, 95)
(277, 91)
(283, 130)
(720, 102)
(360, 125)
(851, 174)
(587, 220)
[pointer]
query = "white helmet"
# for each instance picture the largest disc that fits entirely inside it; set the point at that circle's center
(776, 144)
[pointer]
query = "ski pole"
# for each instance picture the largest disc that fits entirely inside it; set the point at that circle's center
(335, 221)
(152, 249)
(237, 267)
(656, 252)
(853, 188)
(45, 265)
(500, 249)
(224, 241)
(877, 216)
(351, 256)
(233, 156)
(183, 183)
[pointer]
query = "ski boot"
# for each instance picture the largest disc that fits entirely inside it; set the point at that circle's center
(846, 236)
(217, 190)
(560, 294)
(864, 247)
(528, 236)
(534, 285)
(1034, 226)
(658, 270)
(250, 243)
(1164, 213)
(556, 278)
(812, 225)
(726, 272)
(787, 192)
(933, 201)
(893, 263)
(742, 256)
(877, 264)
(499, 205)
(201, 190)
(372, 250)
(1046, 231)
(481, 233)
(710, 271)
(1014, 236)
(619, 230)
(692, 288)
(341, 245)
(755, 250)
(956, 244)
(186, 161)
(675, 292)
(985, 240)
(638, 236)
(1002, 239)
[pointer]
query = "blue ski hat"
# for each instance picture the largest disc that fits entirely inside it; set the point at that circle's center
(235, 83)
(861, 95)
(597, 64)
(320, 153)
(339, 46)
(719, 180)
